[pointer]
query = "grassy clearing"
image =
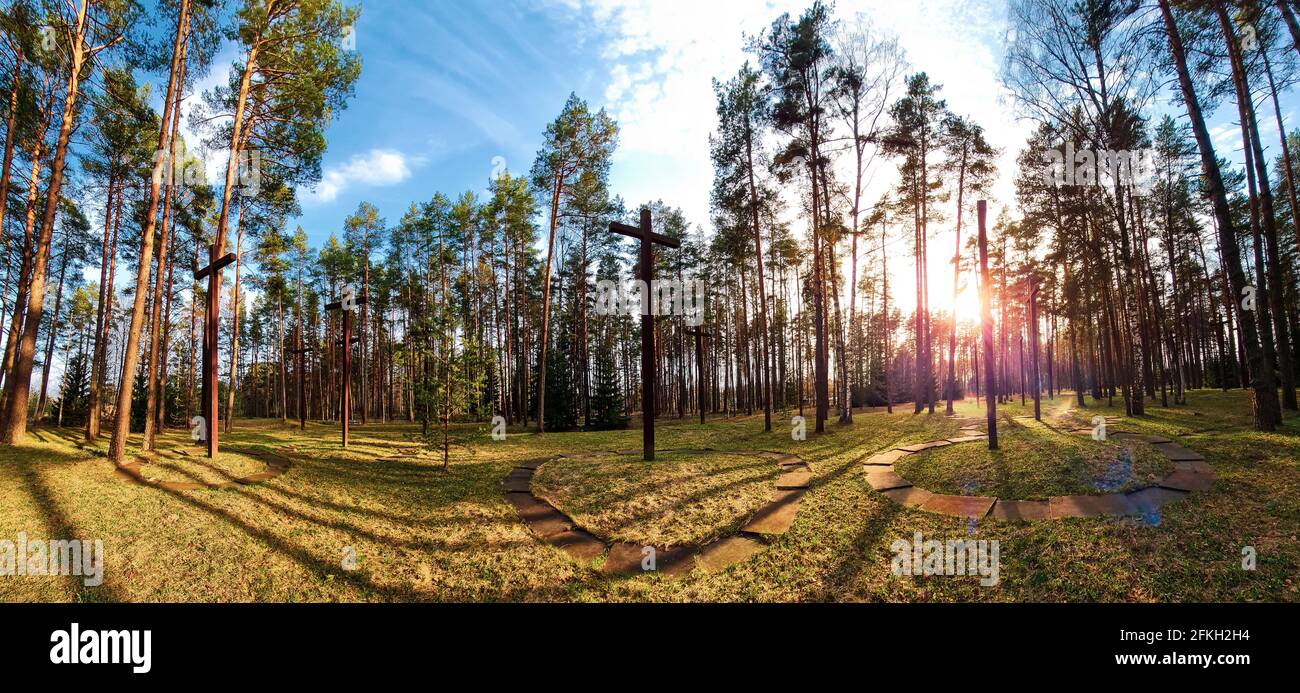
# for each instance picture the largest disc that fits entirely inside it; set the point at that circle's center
(1034, 461)
(421, 533)
(680, 498)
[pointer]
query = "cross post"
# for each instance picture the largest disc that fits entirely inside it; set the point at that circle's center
(345, 306)
(648, 238)
(211, 313)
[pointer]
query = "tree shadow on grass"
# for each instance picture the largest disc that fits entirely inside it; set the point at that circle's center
(326, 570)
(57, 524)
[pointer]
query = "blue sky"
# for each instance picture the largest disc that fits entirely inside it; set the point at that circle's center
(450, 88)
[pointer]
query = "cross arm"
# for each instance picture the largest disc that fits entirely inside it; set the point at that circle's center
(338, 305)
(637, 232)
(220, 263)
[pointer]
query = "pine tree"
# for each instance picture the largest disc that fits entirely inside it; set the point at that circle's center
(607, 400)
(74, 397)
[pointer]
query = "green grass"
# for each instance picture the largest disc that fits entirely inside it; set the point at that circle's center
(424, 534)
(680, 498)
(1034, 461)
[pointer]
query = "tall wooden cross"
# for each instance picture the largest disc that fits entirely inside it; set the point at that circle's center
(212, 311)
(699, 363)
(302, 393)
(648, 238)
(345, 306)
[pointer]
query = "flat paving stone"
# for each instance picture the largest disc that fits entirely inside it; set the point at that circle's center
(1153, 498)
(541, 518)
(794, 478)
(923, 446)
(1178, 453)
(886, 458)
(886, 480)
(516, 485)
(788, 460)
(530, 464)
(777, 516)
(583, 546)
(1188, 481)
(1020, 510)
(910, 496)
(1090, 506)
(967, 439)
(727, 552)
(624, 558)
(1139, 437)
(1195, 467)
(959, 506)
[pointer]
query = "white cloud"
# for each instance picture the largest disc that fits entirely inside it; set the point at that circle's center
(376, 168)
(663, 55)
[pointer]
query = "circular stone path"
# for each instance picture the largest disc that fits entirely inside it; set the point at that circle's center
(625, 558)
(275, 466)
(1191, 473)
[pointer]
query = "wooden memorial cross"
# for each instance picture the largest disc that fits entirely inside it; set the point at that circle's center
(699, 363)
(212, 311)
(346, 306)
(648, 238)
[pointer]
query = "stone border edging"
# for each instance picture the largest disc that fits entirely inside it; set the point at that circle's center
(624, 558)
(275, 466)
(1191, 473)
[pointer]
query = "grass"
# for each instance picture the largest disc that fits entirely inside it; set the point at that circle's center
(1033, 461)
(420, 533)
(680, 498)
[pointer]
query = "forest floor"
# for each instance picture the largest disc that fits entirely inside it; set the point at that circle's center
(409, 530)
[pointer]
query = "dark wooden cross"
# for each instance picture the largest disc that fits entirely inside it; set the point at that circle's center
(699, 363)
(648, 238)
(348, 341)
(212, 311)
(302, 393)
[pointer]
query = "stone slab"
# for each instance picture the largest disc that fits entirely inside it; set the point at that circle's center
(624, 558)
(1090, 506)
(1178, 453)
(1021, 510)
(724, 553)
(777, 516)
(541, 518)
(886, 458)
(967, 439)
(1188, 481)
(1152, 499)
(794, 478)
(886, 480)
(516, 485)
(581, 545)
(909, 496)
(923, 446)
(1195, 467)
(1139, 437)
(788, 460)
(530, 464)
(975, 507)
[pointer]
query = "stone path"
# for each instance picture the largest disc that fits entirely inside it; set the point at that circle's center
(276, 464)
(626, 558)
(1191, 473)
